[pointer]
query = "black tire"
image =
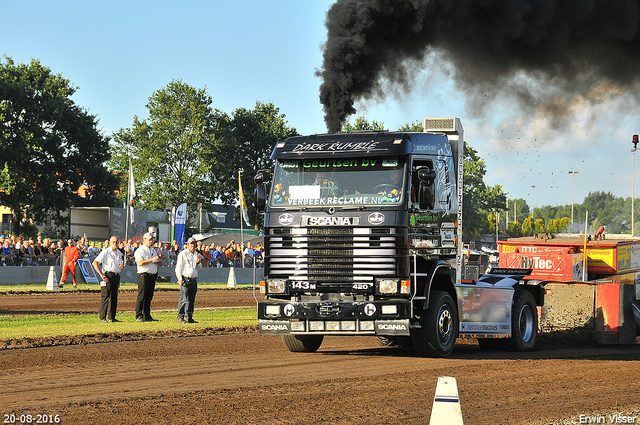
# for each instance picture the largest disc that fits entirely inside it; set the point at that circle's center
(524, 322)
(438, 330)
(302, 343)
(387, 341)
(405, 343)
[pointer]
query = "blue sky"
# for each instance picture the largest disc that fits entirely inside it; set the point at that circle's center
(118, 53)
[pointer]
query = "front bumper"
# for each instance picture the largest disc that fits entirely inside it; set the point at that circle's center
(380, 317)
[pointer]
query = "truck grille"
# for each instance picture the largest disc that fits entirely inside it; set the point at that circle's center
(331, 255)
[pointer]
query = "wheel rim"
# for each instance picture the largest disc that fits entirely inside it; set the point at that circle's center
(526, 323)
(445, 323)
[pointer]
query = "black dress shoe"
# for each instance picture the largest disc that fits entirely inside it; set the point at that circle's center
(191, 321)
(151, 319)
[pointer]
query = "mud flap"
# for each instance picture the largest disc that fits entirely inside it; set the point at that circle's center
(274, 327)
(392, 327)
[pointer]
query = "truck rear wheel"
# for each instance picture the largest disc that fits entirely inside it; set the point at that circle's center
(524, 322)
(438, 330)
(302, 343)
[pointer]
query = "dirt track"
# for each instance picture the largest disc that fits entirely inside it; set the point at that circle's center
(246, 378)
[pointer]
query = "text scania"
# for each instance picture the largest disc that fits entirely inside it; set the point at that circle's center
(274, 327)
(330, 221)
(389, 327)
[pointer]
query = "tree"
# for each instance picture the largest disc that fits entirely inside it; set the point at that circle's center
(478, 198)
(521, 209)
(539, 226)
(245, 144)
(50, 146)
(527, 226)
(362, 124)
(167, 149)
(514, 229)
(557, 225)
(414, 126)
(606, 209)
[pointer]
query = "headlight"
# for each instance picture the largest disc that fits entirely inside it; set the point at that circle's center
(316, 326)
(348, 326)
(276, 286)
(272, 310)
(297, 326)
(389, 309)
(366, 326)
(388, 286)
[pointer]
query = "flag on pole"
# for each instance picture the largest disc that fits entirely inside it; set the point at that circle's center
(132, 190)
(243, 204)
(180, 224)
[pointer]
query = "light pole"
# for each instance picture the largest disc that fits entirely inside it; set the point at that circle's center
(633, 191)
(573, 180)
(533, 201)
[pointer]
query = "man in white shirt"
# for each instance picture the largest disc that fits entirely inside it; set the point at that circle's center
(187, 266)
(147, 260)
(248, 255)
(93, 251)
(112, 263)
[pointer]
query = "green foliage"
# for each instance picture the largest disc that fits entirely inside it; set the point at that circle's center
(478, 198)
(186, 151)
(527, 226)
(362, 124)
(514, 229)
(167, 149)
(521, 209)
(83, 324)
(539, 226)
(606, 209)
(414, 126)
(49, 146)
(558, 225)
(49, 232)
(244, 144)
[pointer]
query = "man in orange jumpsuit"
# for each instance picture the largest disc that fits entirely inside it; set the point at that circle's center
(71, 255)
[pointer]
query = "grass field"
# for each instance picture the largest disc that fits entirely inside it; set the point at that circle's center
(85, 324)
(12, 327)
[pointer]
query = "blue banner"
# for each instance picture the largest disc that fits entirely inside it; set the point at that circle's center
(180, 224)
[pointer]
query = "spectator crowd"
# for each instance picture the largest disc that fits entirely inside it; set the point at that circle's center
(16, 251)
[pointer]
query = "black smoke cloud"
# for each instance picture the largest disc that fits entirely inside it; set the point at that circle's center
(574, 44)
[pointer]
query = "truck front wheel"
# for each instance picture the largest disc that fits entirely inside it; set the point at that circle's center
(438, 330)
(302, 343)
(524, 322)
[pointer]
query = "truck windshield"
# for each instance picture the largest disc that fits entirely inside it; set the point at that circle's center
(338, 182)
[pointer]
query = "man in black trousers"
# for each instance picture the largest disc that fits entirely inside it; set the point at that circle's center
(147, 260)
(111, 260)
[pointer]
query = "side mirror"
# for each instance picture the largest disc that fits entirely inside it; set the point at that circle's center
(261, 177)
(426, 175)
(260, 192)
(260, 196)
(426, 192)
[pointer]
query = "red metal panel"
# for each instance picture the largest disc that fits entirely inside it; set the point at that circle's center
(546, 265)
(608, 310)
